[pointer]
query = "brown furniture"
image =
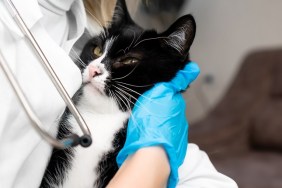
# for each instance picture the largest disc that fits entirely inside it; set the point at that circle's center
(243, 133)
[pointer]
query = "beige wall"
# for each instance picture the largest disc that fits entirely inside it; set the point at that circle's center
(227, 31)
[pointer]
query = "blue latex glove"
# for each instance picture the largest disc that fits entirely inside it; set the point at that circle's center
(158, 118)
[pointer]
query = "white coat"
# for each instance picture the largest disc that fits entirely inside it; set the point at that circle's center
(23, 153)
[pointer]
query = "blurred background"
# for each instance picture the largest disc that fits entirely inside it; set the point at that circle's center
(235, 106)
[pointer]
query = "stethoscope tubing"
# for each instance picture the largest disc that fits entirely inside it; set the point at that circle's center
(73, 139)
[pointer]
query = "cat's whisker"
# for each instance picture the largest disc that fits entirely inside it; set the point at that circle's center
(82, 64)
(132, 40)
(74, 55)
(137, 103)
(134, 85)
(127, 74)
(127, 88)
(117, 99)
(124, 92)
(149, 40)
(111, 95)
(130, 111)
(154, 101)
(128, 94)
(138, 38)
(127, 104)
(114, 96)
(121, 97)
(122, 50)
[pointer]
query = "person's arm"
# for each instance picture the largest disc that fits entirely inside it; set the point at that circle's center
(197, 170)
(153, 170)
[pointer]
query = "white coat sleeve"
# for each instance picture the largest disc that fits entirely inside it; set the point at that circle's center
(23, 153)
(197, 171)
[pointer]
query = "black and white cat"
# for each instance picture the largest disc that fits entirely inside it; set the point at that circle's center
(118, 66)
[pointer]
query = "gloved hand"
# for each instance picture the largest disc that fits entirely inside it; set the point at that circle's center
(158, 119)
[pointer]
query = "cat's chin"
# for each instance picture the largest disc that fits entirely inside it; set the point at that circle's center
(95, 88)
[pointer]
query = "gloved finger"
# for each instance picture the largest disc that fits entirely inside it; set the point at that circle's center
(179, 83)
(185, 77)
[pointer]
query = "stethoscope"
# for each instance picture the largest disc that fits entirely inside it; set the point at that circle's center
(73, 140)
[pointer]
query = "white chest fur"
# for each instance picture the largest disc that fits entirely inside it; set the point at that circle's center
(104, 119)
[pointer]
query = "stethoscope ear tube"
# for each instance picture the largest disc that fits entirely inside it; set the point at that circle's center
(72, 140)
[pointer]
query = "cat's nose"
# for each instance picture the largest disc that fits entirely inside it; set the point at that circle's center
(94, 71)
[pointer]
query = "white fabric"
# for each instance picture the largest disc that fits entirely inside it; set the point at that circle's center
(197, 171)
(56, 24)
(57, 18)
(23, 154)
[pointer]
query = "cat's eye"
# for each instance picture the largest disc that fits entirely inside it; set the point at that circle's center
(97, 51)
(126, 61)
(130, 61)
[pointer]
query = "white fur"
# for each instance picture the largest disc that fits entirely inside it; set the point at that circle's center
(104, 119)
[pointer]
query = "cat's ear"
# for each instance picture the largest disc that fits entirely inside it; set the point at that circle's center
(180, 35)
(121, 15)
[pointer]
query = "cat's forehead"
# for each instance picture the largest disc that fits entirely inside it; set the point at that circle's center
(129, 39)
(127, 35)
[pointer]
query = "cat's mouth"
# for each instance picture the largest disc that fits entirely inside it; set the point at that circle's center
(95, 84)
(95, 77)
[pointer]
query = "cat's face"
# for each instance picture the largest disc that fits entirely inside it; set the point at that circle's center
(126, 60)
